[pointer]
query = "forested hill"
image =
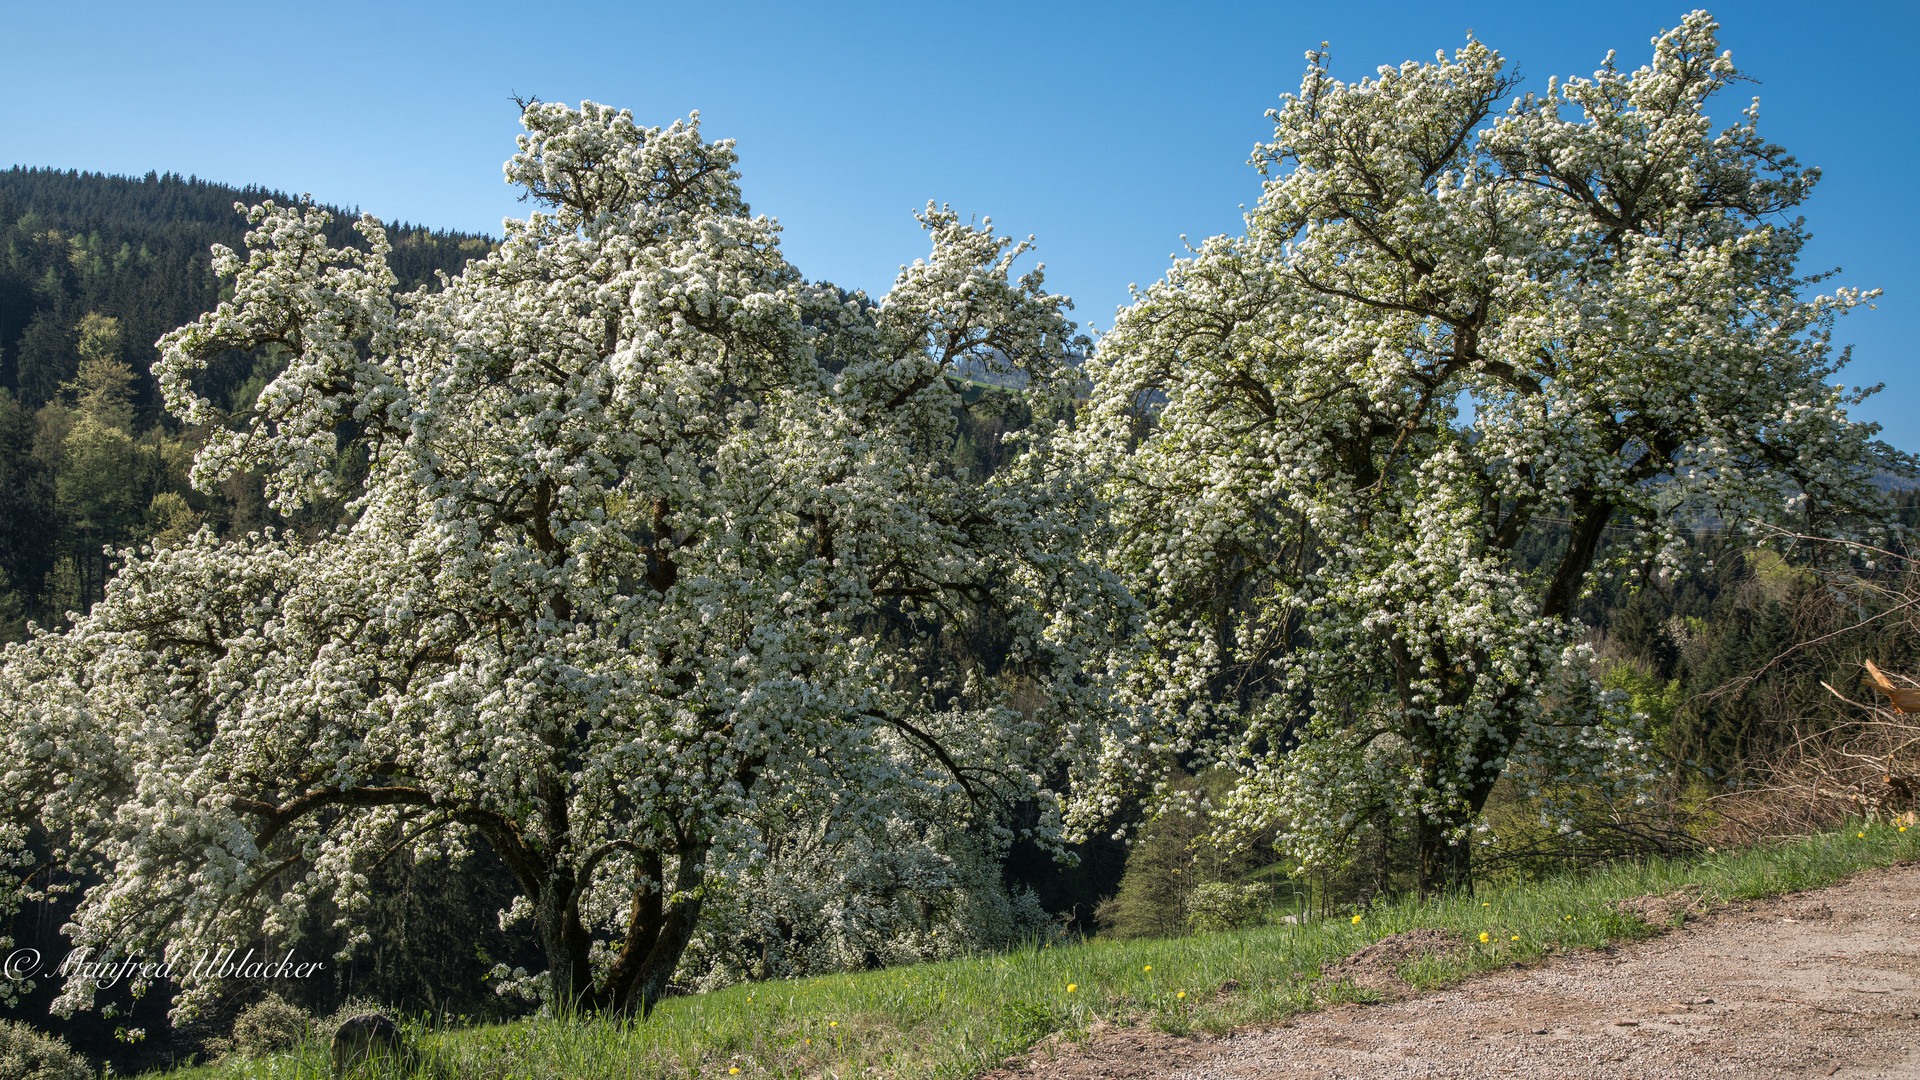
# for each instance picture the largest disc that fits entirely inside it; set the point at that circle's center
(136, 250)
(93, 269)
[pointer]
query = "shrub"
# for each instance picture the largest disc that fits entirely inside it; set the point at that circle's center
(827, 899)
(1218, 905)
(268, 1026)
(26, 1054)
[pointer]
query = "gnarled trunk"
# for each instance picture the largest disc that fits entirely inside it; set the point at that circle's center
(657, 933)
(1445, 863)
(659, 926)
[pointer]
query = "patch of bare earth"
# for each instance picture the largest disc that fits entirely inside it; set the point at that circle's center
(1377, 966)
(1823, 983)
(1114, 1052)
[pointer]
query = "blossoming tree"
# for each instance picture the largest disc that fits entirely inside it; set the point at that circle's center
(1603, 280)
(649, 539)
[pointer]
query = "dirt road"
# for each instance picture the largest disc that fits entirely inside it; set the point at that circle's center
(1822, 983)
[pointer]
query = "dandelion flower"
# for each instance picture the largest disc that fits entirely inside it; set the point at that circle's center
(1485, 937)
(1861, 835)
(1903, 828)
(833, 1023)
(733, 1072)
(1356, 920)
(1149, 967)
(1486, 905)
(1181, 994)
(1071, 987)
(1515, 937)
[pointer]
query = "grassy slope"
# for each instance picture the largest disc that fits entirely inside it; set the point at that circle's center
(956, 1018)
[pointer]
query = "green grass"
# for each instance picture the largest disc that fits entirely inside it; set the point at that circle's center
(957, 1018)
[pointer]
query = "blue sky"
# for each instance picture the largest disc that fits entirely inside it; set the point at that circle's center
(1108, 131)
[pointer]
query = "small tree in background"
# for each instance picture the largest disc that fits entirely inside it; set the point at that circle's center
(1179, 876)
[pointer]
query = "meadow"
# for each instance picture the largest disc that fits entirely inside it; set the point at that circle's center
(958, 1018)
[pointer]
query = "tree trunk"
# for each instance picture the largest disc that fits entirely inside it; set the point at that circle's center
(657, 933)
(659, 927)
(1446, 865)
(650, 987)
(567, 945)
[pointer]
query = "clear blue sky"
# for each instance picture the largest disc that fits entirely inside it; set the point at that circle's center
(1108, 130)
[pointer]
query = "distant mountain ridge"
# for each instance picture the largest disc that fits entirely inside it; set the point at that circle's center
(89, 200)
(1890, 481)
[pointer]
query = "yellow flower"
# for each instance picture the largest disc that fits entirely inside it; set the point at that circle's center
(1903, 828)
(733, 1072)
(1071, 987)
(1356, 920)
(809, 1042)
(1181, 994)
(1861, 835)
(1486, 905)
(833, 1023)
(1149, 967)
(1515, 937)
(1485, 937)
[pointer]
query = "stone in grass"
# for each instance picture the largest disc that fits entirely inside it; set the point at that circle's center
(369, 1039)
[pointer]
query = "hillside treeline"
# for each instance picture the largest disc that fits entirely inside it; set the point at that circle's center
(93, 269)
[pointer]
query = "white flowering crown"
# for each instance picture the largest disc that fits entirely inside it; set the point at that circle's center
(647, 539)
(1460, 318)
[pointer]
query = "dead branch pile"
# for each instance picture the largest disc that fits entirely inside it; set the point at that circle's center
(1867, 768)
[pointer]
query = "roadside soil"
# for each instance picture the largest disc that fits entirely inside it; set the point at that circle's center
(1814, 984)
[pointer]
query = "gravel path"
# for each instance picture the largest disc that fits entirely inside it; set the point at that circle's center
(1823, 983)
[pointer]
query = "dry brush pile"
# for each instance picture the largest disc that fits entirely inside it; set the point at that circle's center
(1860, 757)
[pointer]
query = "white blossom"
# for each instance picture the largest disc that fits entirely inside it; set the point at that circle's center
(1329, 552)
(651, 543)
